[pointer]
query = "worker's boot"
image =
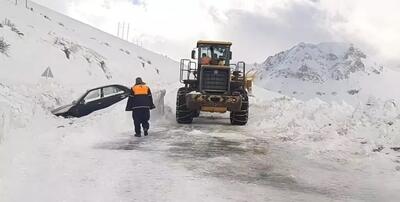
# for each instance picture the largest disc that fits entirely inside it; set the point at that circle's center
(138, 135)
(146, 133)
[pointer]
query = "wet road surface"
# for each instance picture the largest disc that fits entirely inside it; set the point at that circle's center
(230, 153)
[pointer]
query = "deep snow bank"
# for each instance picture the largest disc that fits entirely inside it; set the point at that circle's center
(332, 130)
(80, 57)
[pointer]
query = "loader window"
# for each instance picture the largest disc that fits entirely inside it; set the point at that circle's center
(205, 50)
(219, 54)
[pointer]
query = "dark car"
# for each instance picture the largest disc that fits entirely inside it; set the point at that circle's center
(93, 100)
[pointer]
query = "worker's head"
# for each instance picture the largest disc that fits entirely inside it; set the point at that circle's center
(203, 55)
(139, 80)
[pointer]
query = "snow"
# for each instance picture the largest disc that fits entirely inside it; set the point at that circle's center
(292, 149)
(44, 42)
(321, 62)
(330, 71)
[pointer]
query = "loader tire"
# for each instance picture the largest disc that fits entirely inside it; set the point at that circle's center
(196, 113)
(183, 114)
(241, 117)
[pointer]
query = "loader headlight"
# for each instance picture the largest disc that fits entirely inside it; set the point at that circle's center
(232, 100)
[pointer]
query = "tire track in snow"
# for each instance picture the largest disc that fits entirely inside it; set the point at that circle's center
(221, 151)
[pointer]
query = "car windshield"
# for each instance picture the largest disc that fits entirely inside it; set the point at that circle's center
(80, 98)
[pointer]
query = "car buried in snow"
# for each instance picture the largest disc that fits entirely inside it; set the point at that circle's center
(93, 100)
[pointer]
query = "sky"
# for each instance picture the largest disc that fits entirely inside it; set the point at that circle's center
(257, 28)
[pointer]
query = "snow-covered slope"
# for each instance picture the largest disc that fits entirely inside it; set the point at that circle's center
(329, 71)
(79, 57)
(76, 53)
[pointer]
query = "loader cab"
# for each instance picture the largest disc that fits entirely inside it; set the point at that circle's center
(219, 53)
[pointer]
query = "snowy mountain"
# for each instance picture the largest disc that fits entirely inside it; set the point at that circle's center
(329, 71)
(319, 63)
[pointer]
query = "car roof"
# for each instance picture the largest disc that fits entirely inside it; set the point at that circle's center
(112, 85)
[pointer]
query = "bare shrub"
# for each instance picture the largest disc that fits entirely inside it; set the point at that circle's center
(353, 91)
(4, 46)
(8, 23)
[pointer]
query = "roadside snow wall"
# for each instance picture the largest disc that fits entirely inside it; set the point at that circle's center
(21, 104)
(333, 130)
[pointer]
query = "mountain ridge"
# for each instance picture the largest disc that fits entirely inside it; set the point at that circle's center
(328, 71)
(319, 63)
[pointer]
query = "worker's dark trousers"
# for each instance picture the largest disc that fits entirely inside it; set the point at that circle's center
(141, 117)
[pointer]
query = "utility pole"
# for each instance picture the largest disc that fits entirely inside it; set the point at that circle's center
(127, 33)
(119, 24)
(123, 30)
(26, 3)
(16, 2)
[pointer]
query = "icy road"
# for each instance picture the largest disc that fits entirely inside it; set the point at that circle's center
(92, 159)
